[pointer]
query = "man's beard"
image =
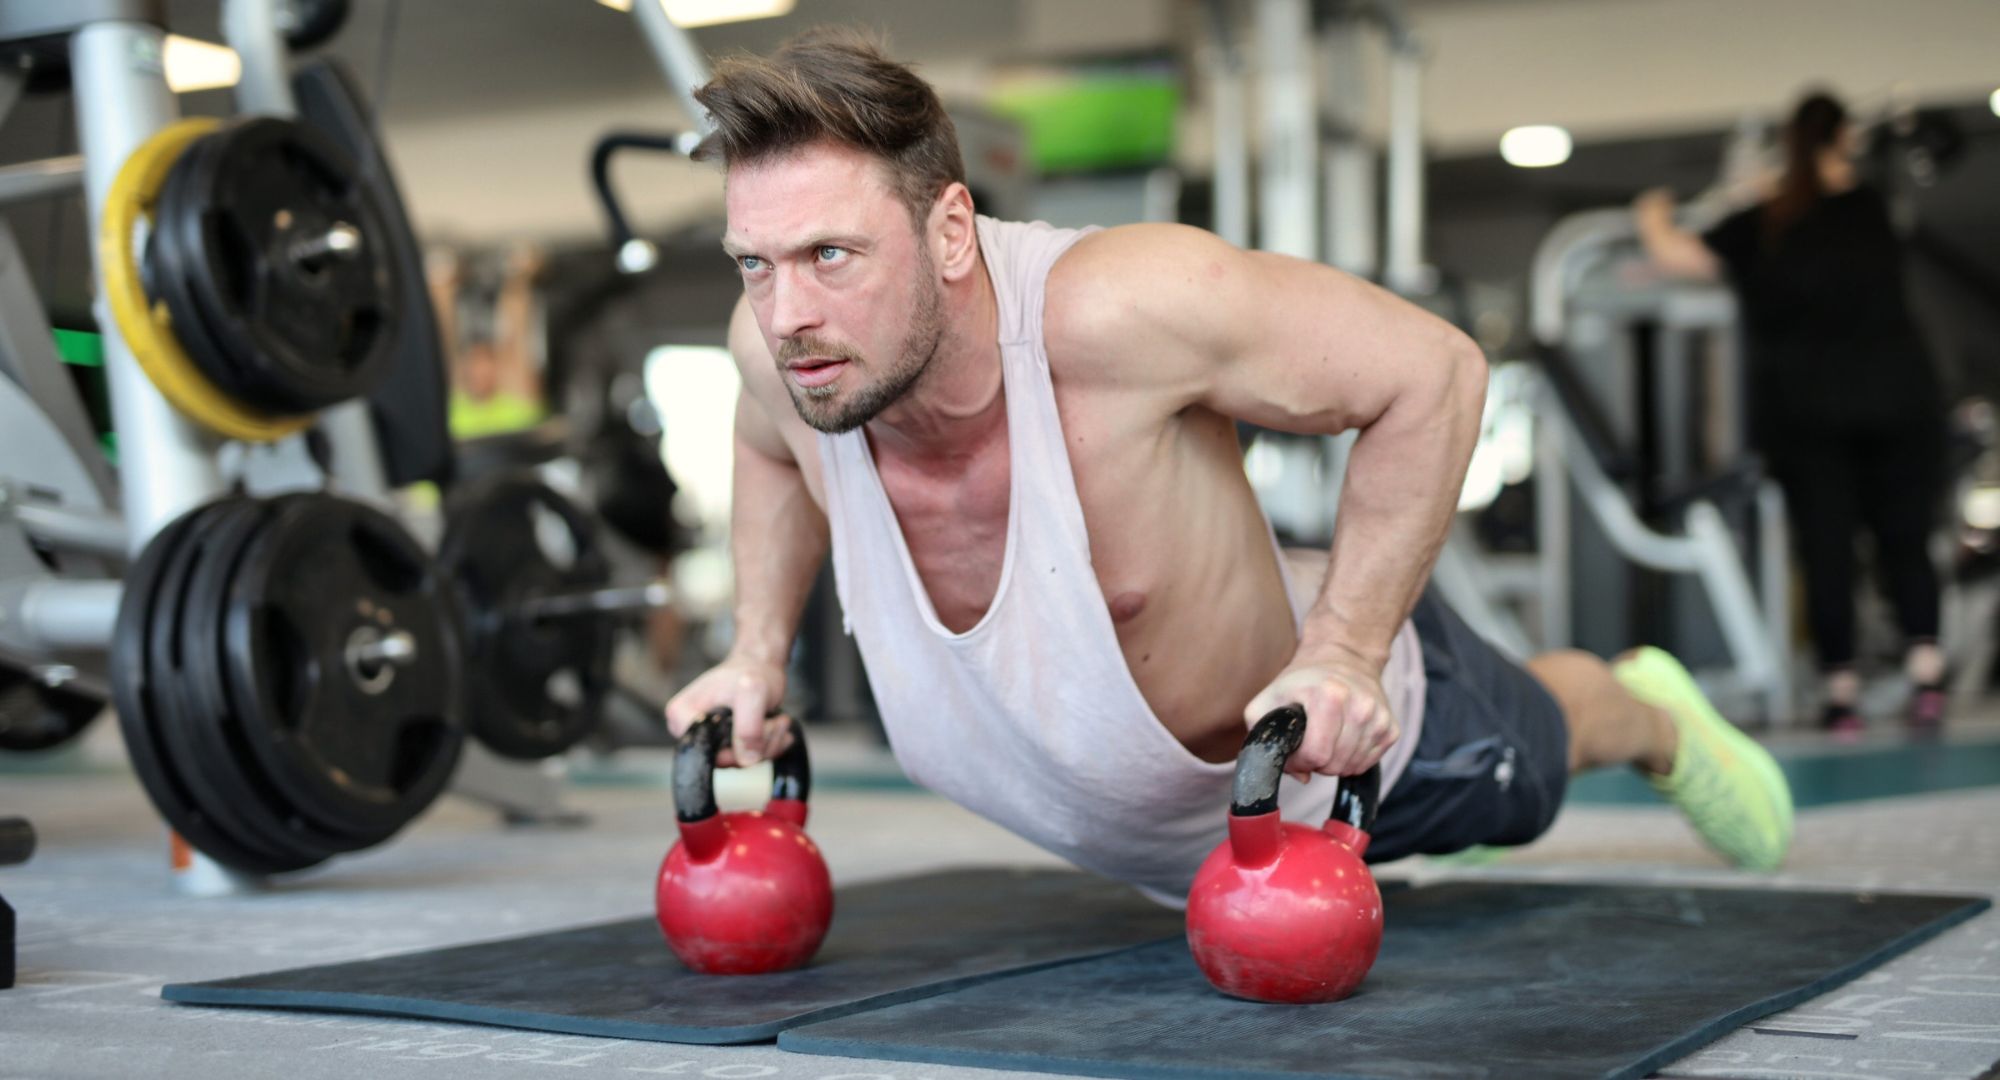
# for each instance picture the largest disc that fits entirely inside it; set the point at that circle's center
(823, 411)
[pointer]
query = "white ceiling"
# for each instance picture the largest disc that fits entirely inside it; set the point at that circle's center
(490, 105)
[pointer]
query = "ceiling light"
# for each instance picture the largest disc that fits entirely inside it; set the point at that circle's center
(710, 12)
(1994, 102)
(199, 65)
(1536, 146)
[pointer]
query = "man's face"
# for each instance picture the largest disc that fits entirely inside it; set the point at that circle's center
(842, 285)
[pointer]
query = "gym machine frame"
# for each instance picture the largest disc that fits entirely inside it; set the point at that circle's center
(1753, 619)
(59, 628)
(1314, 193)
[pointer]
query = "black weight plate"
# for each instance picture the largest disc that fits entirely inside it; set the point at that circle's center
(321, 572)
(227, 761)
(241, 375)
(35, 717)
(213, 587)
(175, 226)
(307, 338)
(408, 404)
(228, 805)
(515, 667)
(226, 259)
(132, 695)
(180, 217)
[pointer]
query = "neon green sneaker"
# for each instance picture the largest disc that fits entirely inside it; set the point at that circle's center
(1730, 788)
(1476, 855)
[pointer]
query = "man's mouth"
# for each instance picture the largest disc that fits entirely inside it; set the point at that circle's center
(816, 371)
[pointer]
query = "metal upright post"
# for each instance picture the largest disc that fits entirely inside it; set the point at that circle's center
(1228, 107)
(121, 100)
(1287, 178)
(1552, 516)
(1405, 271)
(168, 463)
(265, 86)
(1351, 233)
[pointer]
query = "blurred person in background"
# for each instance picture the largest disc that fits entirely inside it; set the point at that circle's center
(495, 384)
(1846, 406)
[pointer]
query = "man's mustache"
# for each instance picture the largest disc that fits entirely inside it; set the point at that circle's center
(807, 348)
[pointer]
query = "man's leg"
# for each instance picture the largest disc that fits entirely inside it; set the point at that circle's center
(1607, 725)
(1645, 711)
(1490, 760)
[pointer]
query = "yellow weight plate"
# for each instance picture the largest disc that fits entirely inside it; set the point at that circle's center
(146, 327)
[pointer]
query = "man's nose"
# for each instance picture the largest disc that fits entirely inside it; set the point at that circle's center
(794, 307)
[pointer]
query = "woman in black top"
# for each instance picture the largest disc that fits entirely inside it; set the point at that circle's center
(1845, 405)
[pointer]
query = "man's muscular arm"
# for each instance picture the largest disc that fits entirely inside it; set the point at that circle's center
(1300, 347)
(778, 538)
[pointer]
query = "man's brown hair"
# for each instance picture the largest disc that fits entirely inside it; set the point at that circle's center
(833, 83)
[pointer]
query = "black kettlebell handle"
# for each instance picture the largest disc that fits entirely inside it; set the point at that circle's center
(694, 766)
(1262, 764)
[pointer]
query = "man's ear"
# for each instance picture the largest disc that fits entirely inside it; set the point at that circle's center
(953, 234)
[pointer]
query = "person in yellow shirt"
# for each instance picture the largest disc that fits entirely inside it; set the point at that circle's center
(496, 386)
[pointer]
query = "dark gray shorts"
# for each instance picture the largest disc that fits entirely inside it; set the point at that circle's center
(1492, 759)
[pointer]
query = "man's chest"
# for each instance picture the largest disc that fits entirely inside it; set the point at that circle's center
(957, 523)
(955, 526)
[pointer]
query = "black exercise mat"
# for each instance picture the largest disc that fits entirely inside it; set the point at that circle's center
(1474, 979)
(891, 941)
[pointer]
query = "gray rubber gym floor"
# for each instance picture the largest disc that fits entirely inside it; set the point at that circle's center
(101, 928)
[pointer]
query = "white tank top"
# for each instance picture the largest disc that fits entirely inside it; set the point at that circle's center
(1032, 718)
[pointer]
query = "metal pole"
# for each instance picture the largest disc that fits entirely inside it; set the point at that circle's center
(357, 455)
(1744, 625)
(680, 59)
(58, 616)
(1405, 272)
(1573, 245)
(1552, 516)
(251, 27)
(41, 179)
(86, 532)
(1228, 105)
(1350, 161)
(629, 598)
(1287, 178)
(167, 464)
(121, 99)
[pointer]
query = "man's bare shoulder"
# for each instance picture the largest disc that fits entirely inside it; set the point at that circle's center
(1120, 302)
(752, 355)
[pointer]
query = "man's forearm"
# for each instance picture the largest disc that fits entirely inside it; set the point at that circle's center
(779, 539)
(1402, 487)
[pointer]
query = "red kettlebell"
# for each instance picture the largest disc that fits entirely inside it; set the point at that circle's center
(742, 893)
(1283, 912)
